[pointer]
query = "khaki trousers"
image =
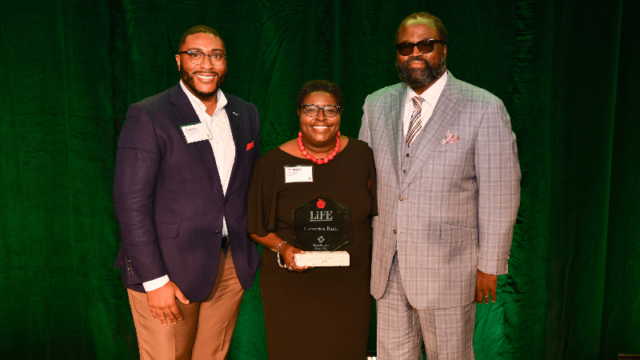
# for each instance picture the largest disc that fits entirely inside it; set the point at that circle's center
(205, 332)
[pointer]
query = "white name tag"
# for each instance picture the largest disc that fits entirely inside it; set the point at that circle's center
(195, 132)
(298, 173)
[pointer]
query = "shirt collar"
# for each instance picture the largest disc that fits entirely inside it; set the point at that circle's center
(197, 104)
(432, 94)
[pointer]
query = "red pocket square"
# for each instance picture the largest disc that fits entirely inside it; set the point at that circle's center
(249, 146)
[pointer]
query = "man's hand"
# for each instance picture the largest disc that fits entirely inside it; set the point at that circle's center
(162, 302)
(486, 287)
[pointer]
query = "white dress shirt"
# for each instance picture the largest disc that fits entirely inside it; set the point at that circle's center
(430, 96)
(224, 151)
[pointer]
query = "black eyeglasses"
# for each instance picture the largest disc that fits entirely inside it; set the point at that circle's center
(197, 57)
(425, 46)
(313, 110)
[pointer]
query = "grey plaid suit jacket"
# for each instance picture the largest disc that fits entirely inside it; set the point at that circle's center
(454, 210)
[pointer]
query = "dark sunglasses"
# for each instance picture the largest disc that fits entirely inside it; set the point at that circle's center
(425, 46)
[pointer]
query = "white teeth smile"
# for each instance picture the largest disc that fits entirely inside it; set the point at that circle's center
(205, 77)
(320, 127)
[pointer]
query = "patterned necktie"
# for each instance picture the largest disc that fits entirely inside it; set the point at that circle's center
(416, 123)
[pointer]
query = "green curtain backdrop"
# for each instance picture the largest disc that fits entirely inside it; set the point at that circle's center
(566, 70)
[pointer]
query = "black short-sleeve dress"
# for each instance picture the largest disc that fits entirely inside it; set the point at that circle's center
(323, 313)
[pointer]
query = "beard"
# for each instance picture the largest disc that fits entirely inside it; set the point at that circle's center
(190, 83)
(417, 78)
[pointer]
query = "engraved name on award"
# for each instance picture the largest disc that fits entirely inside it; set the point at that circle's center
(321, 226)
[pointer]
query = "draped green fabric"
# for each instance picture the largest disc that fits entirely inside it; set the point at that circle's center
(565, 70)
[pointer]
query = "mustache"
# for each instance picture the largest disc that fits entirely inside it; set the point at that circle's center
(416, 59)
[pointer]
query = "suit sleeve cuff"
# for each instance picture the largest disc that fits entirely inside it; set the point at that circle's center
(495, 267)
(155, 283)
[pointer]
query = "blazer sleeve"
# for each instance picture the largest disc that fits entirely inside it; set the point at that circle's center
(498, 176)
(365, 132)
(136, 172)
(256, 132)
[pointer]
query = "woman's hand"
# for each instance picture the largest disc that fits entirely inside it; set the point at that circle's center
(287, 251)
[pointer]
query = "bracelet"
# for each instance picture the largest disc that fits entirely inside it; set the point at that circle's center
(278, 255)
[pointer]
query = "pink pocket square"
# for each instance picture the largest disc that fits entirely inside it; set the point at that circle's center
(249, 146)
(451, 138)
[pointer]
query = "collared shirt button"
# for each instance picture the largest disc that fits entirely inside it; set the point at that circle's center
(404, 171)
(394, 231)
(407, 155)
(401, 198)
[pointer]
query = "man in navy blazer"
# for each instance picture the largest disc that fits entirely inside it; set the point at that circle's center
(183, 167)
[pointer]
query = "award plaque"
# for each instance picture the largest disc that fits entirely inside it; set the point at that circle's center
(321, 226)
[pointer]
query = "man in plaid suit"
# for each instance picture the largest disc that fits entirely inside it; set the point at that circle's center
(448, 197)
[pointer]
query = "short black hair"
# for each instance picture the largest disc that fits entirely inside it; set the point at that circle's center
(431, 20)
(320, 86)
(199, 29)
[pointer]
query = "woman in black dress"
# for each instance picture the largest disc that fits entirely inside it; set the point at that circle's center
(323, 312)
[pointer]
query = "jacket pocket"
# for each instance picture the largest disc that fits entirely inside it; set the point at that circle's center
(459, 234)
(462, 145)
(167, 231)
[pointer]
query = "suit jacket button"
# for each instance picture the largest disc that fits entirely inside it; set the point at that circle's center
(218, 233)
(401, 198)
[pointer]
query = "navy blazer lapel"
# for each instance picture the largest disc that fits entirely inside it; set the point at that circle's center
(393, 123)
(187, 115)
(445, 112)
(235, 116)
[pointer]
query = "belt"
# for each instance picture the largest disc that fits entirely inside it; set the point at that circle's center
(225, 242)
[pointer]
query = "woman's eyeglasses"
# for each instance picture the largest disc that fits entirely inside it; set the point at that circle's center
(313, 110)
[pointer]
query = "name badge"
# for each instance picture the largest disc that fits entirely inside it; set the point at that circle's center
(195, 132)
(298, 173)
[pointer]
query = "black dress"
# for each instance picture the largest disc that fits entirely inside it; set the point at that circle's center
(323, 313)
